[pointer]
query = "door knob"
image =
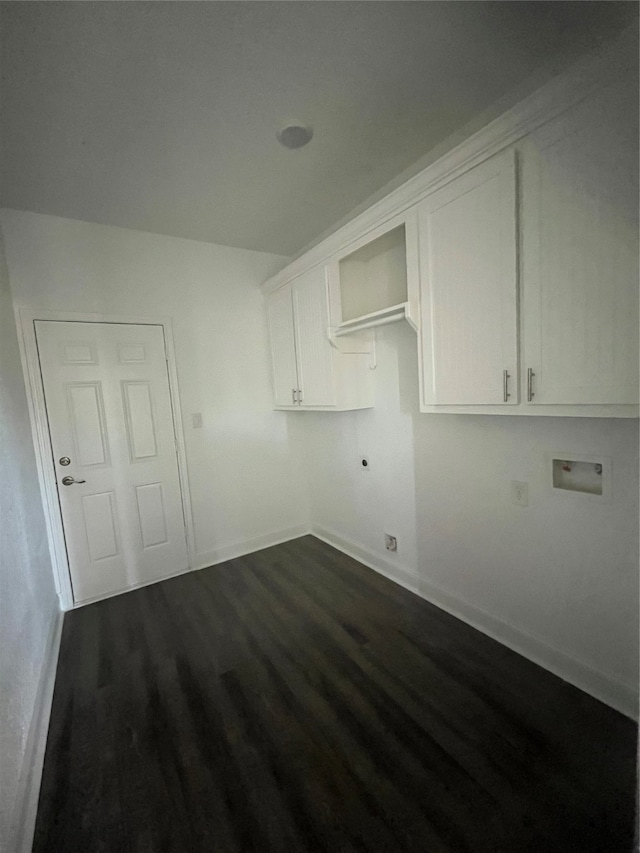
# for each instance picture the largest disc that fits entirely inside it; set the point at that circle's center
(69, 481)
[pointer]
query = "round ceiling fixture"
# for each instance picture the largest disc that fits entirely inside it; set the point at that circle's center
(294, 134)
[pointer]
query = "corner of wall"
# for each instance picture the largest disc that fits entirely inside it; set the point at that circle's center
(28, 788)
(601, 686)
(32, 620)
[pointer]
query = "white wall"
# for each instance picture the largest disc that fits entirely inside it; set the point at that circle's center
(29, 605)
(557, 580)
(245, 493)
(360, 506)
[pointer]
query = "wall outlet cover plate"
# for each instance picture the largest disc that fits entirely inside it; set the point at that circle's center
(519, 493)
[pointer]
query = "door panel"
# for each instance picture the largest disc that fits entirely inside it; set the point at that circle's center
(109, 410)
(82, 352)
(128, 353)
(141, 428)
(100, 525)
(88, 427)
(469, 286)
(153, 522)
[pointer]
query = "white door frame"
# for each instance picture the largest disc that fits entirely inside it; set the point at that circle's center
(25, 322)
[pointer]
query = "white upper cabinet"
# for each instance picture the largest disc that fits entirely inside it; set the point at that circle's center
(315, 359)
(283, 348)
(309, 372)
(574, 241)
(514, 256)
(580, 254)
(469, 288)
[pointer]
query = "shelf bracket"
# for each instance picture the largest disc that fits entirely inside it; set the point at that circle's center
(346, 345)
(392, 314)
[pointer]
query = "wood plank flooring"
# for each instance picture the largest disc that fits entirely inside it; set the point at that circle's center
(294, 700)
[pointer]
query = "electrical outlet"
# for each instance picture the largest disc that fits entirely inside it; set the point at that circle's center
(364, 463)
(390, 542)
(519, 493)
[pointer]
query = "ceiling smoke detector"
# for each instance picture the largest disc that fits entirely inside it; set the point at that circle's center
(294, 134)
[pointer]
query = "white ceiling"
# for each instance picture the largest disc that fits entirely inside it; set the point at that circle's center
(161, 116)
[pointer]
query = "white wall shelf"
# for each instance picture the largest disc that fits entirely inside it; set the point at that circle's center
(374, 277)
(375, 280)
(377, 318)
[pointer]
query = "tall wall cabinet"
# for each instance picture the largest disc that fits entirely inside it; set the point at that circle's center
(580, 254)
(469, 283)
(515, 257)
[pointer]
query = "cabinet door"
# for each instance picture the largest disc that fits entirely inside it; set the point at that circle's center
(468, 288)
(580, 253)
(315, 356)
(283, 350)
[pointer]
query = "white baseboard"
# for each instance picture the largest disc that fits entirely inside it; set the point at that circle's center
(395, 571)
(248, 546)
(211, 558)
(623, 697)
(94, 599)
(28, 790)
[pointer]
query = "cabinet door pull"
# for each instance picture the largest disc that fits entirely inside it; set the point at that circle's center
(299, 395)
(530, 391)
(505, 385)
(293, 396)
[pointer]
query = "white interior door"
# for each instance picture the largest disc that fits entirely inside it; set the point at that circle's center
(109, 408)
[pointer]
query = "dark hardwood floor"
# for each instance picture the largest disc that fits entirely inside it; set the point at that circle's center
(294, 700)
